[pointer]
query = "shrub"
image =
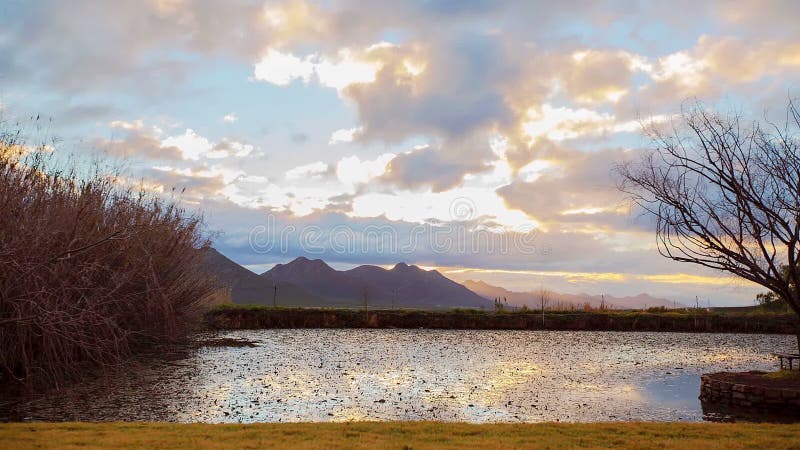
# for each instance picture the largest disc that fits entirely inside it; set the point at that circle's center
(90, 271)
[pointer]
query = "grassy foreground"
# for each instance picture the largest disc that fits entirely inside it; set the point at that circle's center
(399, 435)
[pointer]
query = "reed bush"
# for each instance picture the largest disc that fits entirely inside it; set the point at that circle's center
(91, 271)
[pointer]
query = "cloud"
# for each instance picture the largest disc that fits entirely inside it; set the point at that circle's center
(227, 148)
(752, 17)
(460, 90)
(195, 147)
(569, 189)
(739, 61)
(89, 45)
(427, 167)
(313, 170)
(339, 72)
(137, 141)
(281, 69)
(524, 106)
(140, 146)
(351, 170)
(599, 76)
(344, 135)
(474, 204)
(561, 123)
(197, 183)
(191, 145)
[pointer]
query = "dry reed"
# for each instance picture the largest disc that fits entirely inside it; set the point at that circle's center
(90, 271)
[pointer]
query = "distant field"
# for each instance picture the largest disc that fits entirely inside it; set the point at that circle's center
(681, 320)
(398, 435)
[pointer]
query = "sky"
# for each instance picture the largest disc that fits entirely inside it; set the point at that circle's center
(475, 137)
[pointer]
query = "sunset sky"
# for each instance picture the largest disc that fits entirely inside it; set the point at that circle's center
(477, 120)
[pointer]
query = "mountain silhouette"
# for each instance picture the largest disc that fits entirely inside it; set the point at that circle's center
(409, 285)
(247, 287)
(312, 282)
(403, 286)
(317, 277)
(532, 299)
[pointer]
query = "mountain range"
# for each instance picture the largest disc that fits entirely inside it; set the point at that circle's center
(249, 288)
(402, 285)
(533, 299)
(312, 282)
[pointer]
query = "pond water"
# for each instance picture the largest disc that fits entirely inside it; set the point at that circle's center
(447, 375)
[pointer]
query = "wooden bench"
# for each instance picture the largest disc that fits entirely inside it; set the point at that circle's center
(789, 357)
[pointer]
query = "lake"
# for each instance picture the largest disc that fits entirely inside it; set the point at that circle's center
(446, 375)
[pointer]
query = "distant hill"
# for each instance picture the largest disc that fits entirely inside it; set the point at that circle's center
(403, 285)
(249, 288)
(312, 282)
(532, 299)
(317, 277)
(412, 286)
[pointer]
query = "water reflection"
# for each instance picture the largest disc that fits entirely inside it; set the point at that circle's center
(477, 376)
(676, 392)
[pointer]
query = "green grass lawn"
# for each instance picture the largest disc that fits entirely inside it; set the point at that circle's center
(399, 435)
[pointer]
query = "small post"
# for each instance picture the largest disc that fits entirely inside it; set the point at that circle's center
(275, 295)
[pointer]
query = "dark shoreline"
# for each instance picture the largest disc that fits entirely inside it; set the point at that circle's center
(248, 317)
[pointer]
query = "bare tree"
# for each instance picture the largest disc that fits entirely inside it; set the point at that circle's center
(544, 300)
(725, 194)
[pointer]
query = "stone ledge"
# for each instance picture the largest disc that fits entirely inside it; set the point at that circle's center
(750, 391)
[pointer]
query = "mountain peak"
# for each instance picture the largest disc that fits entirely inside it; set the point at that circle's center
(298, 269)
(407, 284)
(402, 267)
(302, 260)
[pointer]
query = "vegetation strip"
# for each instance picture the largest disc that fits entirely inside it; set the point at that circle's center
(434, 435)
(689, 320)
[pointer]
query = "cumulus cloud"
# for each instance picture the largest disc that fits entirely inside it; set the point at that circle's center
(739, 61)
(139, 145)
(429, 167)
(525, 106)
(570, 189)
(196, 183)
(89, 44)
(281, 69)
(460, 91)
(600, 76)
(312, 171)
(339, 72)
(561, 123)
(191, 145)
(227, 148)
(137, 141)
(195, 147)
(351, 170)
(344, 135)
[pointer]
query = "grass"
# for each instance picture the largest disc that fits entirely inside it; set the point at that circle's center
(784, 375)
(399, 435)
(679, 312)
(233, 316)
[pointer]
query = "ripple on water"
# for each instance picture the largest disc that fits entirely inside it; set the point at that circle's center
(449, 375)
